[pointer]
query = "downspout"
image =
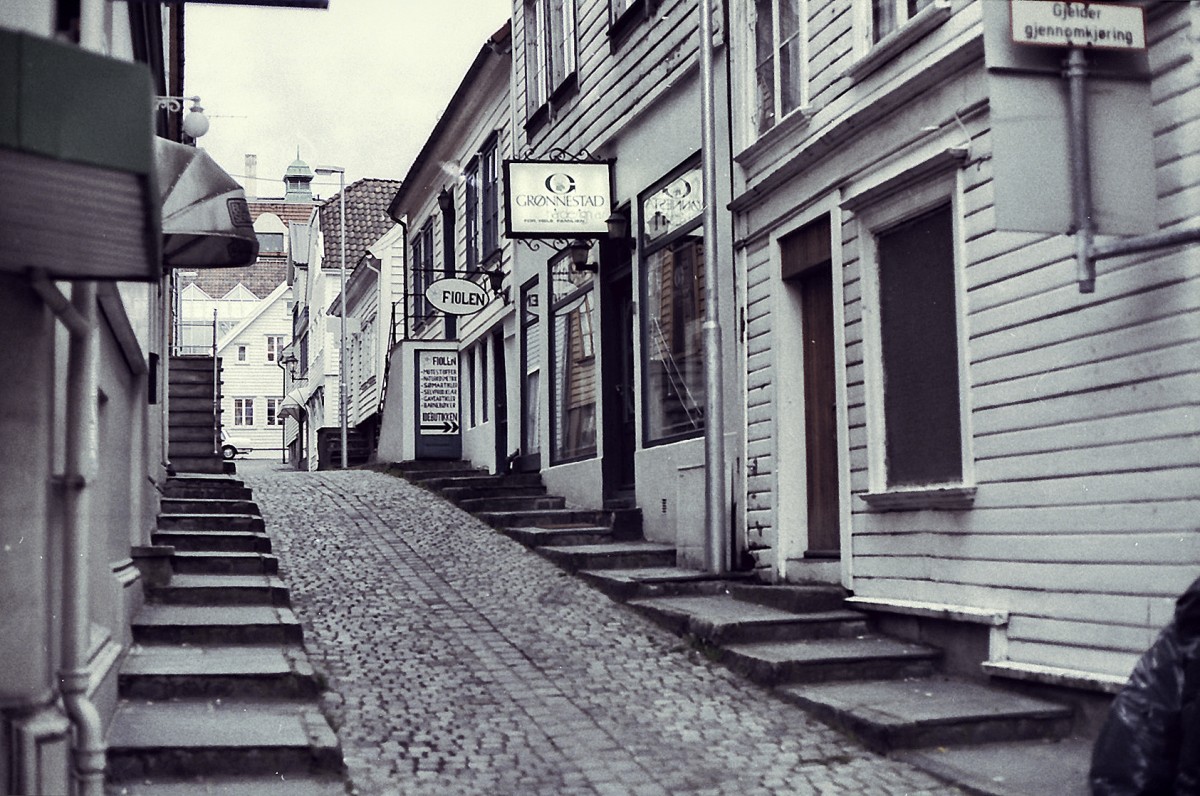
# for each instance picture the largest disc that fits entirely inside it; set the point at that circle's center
(82, 444)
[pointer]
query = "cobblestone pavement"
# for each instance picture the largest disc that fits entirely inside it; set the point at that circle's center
(459, 662)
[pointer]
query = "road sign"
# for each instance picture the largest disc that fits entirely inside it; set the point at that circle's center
(456, 296)
(1105, 26)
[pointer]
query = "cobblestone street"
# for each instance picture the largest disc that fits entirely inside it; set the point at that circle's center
(460, 662)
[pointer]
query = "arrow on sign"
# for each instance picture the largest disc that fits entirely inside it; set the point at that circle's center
(445, 427)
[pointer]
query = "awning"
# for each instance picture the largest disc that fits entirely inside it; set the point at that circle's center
(295, 403)
(205, 219)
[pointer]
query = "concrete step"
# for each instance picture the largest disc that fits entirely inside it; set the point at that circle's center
(194, 429)
(512, 503)
(429, 464)
(262, 785)
(719, 619)
(456, 494)
(256, 589)
(216, 624)
(209, 463)
(928, 712)
(219, 505)
(191, 449)
(609, 555)
(214, 541)
(1057, 766)
(157, 671)
(439, 482)
(210, 522)
(797, 598)
(196, 389)
(421, 476)
(203, 737)
(192, 404)
(197, 374)
(199, 486)
(546, 518)
(209, 563)
(626, 584)
(822, 660)
(566, 536)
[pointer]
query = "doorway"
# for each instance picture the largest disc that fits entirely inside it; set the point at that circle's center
(617, 393)
(529, 459)
(500, 401)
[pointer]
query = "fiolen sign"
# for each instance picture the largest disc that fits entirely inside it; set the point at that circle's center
(556, 199)
(456, 296)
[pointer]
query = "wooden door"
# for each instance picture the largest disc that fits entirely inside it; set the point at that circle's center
(820, 409)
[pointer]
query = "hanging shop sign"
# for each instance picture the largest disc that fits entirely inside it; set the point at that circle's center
(557, 199)
(1105, 26)
(673, 205)
(456, 296)
(437, 392)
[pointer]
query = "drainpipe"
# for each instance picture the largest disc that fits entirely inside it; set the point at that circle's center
(1081, 179)
(83, 439)
(715, 535)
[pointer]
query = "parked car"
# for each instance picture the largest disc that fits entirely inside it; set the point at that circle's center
(232, 445)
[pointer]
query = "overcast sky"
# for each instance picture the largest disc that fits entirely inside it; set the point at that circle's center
(359, 85)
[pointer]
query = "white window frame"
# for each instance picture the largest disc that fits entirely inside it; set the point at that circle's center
(275, 344)
(870, 54)
(879, 211)
(240, 413)
(541, 86)
(272, 416)
(242, 354)
(751, 49)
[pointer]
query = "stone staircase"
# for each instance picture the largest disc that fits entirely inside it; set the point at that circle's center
(216, 693)
(799, 640)
(194, 415)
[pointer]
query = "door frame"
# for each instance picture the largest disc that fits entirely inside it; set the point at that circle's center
(616, 277)
(791, 502)
(499, 398)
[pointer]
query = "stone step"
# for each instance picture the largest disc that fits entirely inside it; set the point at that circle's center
(197, 389)
(198, 486)
(203, 447)
(439, 482)
(609, 555)
(191, 429)
(262, 785)
(256, 589)
(828, 659)
(1057, 766)
(209, 463)
(512, 503)
(202, 737)
(456, 494)
(546, 518)
(719, 619)
(210, 522)
(218, 505)
(192, 362)
(565, 536)
(157, 671)
(192, 404)
(210, 563)
(926, 712)
(214, 541)
(216, 624)
(627, 584)
(414, 465)
(421, 476)
(797, 598)
(192, 375)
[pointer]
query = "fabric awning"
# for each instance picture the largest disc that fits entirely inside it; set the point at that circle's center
(206, 222)
(295, 402)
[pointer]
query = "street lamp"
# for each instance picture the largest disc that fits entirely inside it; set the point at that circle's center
(195, 124)
(341, 172)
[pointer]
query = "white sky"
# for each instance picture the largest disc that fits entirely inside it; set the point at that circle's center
(359, 85)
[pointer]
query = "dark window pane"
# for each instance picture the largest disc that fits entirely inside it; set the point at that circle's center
(919, 335)
(883, 16)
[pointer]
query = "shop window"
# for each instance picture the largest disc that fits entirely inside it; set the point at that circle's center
(780, 64)
(549, 52)
(573, 362)
(672, 245)
(531, 358)
(243, 411)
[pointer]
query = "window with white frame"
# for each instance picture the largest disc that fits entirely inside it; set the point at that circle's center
(884, 28)
(273, 418)
(274, 345)
(243, 411)
(483, 206)
(243, 353)
(920, 438)
(422, 268)
(888, 16)
(549, 50)
(780, 63)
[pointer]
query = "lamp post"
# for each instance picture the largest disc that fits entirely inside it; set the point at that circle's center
(341, 172)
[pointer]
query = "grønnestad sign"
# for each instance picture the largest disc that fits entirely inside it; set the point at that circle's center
(556, 199)
(1072, 23)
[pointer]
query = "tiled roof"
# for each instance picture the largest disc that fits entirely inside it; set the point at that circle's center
(367, 220)
(267, 273)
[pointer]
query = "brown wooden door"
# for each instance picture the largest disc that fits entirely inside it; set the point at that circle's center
(820, 408)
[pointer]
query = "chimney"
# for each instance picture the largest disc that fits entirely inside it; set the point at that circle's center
(251, 177)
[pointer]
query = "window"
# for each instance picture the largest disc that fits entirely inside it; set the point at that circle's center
(474, 183)
(483, 206)
(469, 361)
(573, 366)
(270, 242)
(623, 16)
(273, 418)
(918, 334)
(779, 61)
(422, 267)
(243, 354)
(673, 291)
(549, 50)
(483, 380)
(274, 346)
(243, 411)
(531, 350)
(889, 15)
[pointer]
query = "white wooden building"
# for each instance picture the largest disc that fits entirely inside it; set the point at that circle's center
(937, 417)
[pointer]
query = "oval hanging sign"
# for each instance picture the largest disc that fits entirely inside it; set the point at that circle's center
(456, 296)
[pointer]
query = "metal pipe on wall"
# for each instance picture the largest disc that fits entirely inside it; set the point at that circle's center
(1081, 170)
(715, 533)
